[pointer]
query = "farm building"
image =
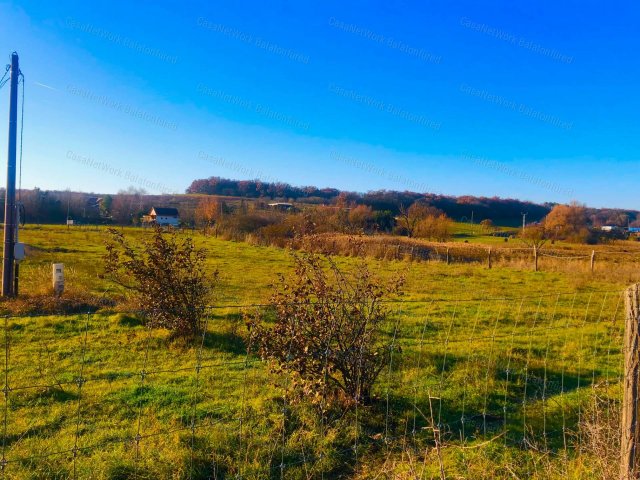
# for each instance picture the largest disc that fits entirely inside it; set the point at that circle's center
(166, 216)
(282, 206)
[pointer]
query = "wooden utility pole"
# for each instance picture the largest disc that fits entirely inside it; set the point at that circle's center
(593, 260)
(10, 195)
(629, 422)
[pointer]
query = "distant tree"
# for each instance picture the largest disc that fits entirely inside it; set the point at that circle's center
(105, 206)
(328, 330)
(209, 212)
(434, 227)
(535, 235)
(410, 217)
(129, 205)
(568, 222)
(384, 220)
(165, 277)
(360, 218)
(487, 225)
(132, 190)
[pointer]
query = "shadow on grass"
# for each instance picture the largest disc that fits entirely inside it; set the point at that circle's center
(521, 405)
(228, 342)
(49, 395)
(41, 431)
(130, 321)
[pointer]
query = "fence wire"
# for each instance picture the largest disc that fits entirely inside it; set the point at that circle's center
(468, 381)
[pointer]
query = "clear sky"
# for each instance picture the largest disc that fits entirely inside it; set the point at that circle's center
(525, 99)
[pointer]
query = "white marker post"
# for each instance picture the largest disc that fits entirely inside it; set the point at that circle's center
(58, 278)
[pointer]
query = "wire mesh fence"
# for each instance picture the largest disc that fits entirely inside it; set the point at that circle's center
(474, 388)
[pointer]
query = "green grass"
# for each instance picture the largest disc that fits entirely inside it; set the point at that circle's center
(482, 344)
(247, 271)
(476, 233)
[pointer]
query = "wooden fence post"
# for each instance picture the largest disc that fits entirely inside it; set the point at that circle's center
(630, 435)
(593, 259)
(535, 258)
(447, 255)
(489, 258)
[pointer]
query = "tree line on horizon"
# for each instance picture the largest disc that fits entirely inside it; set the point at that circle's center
(379, 210)
(466, 208)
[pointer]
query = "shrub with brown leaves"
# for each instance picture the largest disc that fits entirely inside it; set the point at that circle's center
(328, 330)
(166, 278)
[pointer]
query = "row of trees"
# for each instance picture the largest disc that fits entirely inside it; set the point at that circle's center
(419, 220)
(43, 206)
(258, 189)
(569, 223)
(403, 213)
(573, 223)
(504, 211)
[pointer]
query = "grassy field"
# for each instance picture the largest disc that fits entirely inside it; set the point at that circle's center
(247, 270)
(499, 373)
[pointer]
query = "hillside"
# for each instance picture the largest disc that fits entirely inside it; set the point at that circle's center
(126, 207)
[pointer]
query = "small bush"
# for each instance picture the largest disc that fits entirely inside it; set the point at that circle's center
(328, 330)
(166, 279)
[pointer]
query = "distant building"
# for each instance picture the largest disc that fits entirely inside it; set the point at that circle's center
(164, 216)
(94, 202)
(635, 230)
(282, 206)
(608, 228)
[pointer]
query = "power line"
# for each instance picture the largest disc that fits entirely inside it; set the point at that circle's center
(2, 80)
(21, 135)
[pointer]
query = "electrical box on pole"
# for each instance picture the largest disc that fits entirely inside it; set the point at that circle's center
(10, 196)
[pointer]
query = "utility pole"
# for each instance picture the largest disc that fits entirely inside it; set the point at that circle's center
(10, 196)
(68, 206)
(524, 220)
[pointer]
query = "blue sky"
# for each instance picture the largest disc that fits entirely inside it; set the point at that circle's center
(532, 100)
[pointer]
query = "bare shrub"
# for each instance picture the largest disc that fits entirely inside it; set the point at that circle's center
(240, 224)
(328, 330)
(165, 277)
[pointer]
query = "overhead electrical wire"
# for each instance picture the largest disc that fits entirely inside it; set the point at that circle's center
(3, 81)
(21, 136)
